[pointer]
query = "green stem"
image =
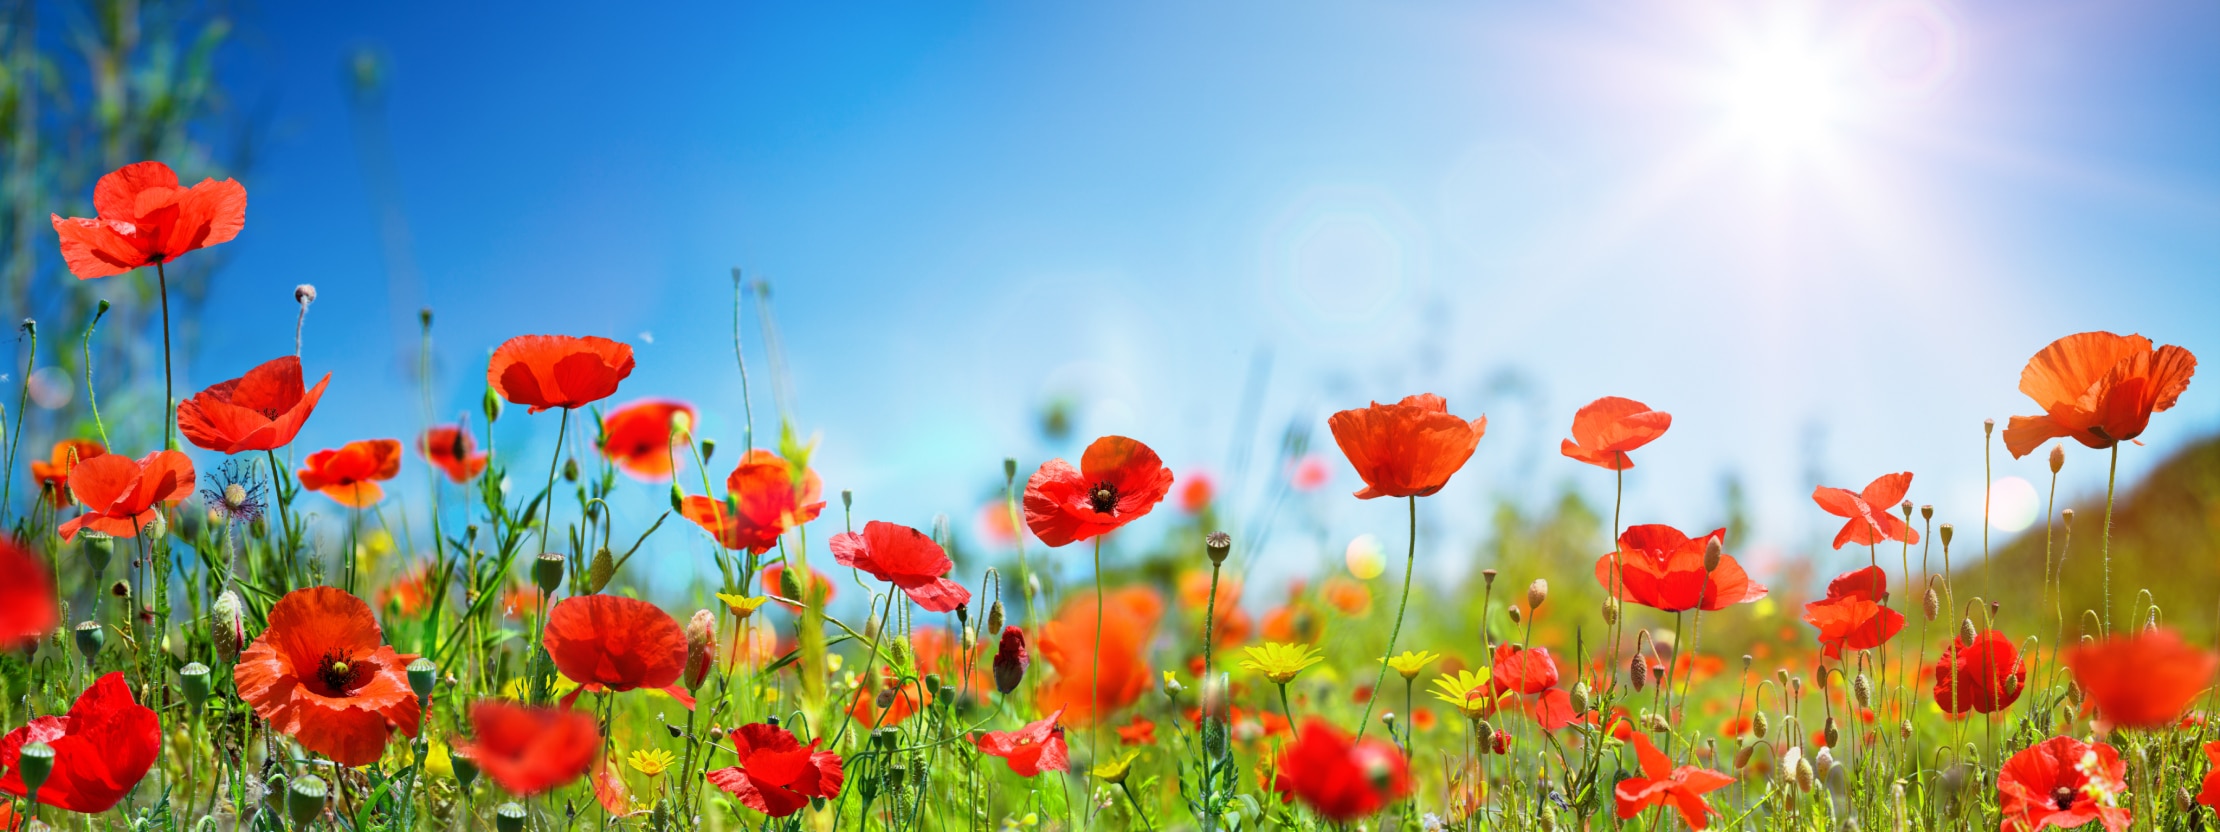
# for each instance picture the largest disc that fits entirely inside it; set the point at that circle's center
(2111, 480)
(1410, 562)
(169, 395)
(1094, 678)
(15, 444)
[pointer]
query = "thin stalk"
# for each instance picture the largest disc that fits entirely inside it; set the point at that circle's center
(169, 394)
(1410, 561)
(15, 444)
(2111, 481)
(1094, 679)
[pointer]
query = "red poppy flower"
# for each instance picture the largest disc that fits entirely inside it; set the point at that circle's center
(1406, 449)
(938, 651)
(53, 477)
(259, 411)
(2063, 782)
(102, 747)
(777, 775)
(28, 608)
(1527, 671)
(1118, 480)
(1868, 511)
(2097, 388)
(1987, 675)
(2142, 680)
(452, 450)
(350, 474)
(906, 699)
(1233, 623)
(1339, 778)
(1855, 615)
(2209, 794)
(1196, 492)
(764, 498)
(1035, 748)
(906, 558)
(145, 218)
(637, 437)
(1606, 429)
(1068, 645)
(1143, 732)
(545, 371)
(408, 593)
(529, 750)
(1663, 569)
(610, 643)
(1661, 784)
(774, 583)
(121, 494)
(322, 673)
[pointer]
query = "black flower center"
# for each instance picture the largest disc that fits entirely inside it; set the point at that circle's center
(339, 674)
(2063, 797)
(1103, 497)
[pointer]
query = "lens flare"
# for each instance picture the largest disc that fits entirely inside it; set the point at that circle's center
(2012, 504)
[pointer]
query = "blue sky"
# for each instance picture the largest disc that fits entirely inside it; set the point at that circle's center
(1825, 237)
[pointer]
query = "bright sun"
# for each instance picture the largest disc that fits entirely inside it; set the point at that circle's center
(1784, 97)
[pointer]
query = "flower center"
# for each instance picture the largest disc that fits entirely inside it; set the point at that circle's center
(1025, 741)
(339, 674)
(2063, 797)
(1103, 497)
(235, 495)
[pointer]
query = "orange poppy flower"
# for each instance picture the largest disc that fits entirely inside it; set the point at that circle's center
(1607, 429)
(763, 499)
(53, 477)
(145, 218)
(408, 593)
(1196, 492)
(904, 699)
(1234, 624)
(1855, 614)
(637, 437)
(102, 748)
(259, 411)
(1406, 449)
(349, 474)
(28, 606)
(1117, 482)
(547, 371)
(322, 673)
(1138, 732)
(1661, 784)
(1868, 512)
(2143, 680)
(1661, 568)
(528, 750)
(610, 643)
(1068, 644)
(1295, 621)
(1346, 595)
(121, 494)
(2098, 389)
(452, 450)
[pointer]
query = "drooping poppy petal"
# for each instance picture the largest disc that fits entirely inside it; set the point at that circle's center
(102, 748)
(146, 218)
(53, 477)
(28, 606)
(529, 750)
(612, 643)
(1607, 429)
(638, 437)
(1855, 614)
(1340, 778)
(120, 494)
(1117, 482)
(322, 674)
(452, 450)
(2097, 388)
(260, 411)
(777, 775)
(1035, 748)
(1406, 449)
(1868, 512)
(350, 474)
(906, 558)
(2064, 783)
(1987, 675)
(547, 371)
(2143, 680)
(1659, 567)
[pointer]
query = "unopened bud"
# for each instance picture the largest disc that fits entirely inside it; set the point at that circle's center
(1759, 724)
(1861, 691)
(1712, 554)
(228, 628)
(1537, 593)
(1967, 635)
(1514, 611)
(701, 648)
(491, 404)
(1930, 605)
(2057, 458)
(1638, 673)
(708, 449)
(304, 294)
(1831, 732)
(570, 469)
(994, 617)
(1742, 757)
(1611, 611)
(600, 570)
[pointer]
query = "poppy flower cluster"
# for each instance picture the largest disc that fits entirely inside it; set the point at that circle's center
(777, 775)
(1855, 614)
(102, 747)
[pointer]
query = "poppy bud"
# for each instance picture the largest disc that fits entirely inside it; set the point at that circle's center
(885, 737)
(1806, 779)
(932, 684)
(678, 498)
(1010, 660)
(193, 680)
(492, 407)
(1536, 593)
(1823, 762)
(547, 572)
(1217, 545)
(1610, 611)
(1931, 604)
(870, 625)
(304, 294)
(98, 549)
(970, 640)
(155, 528)
(508, 817)
(1966, 633)
(2057, 458)
(1742, 757)
(1514, 611)
(1861, 691)
(600, 570)
(885, 699)
(1637, 672)
(423, 674)
(1009, 468)
(1831, 732)
(1711, 554)
(570, 469)
(994, 617)
(708, 450)
(717, 734)
(1759, 724)
(1945, 530)
(229, 629)
(304, 799)
(701, 647)
(790, 585)
(1655, 723)
(90, 638)
(1579, 697)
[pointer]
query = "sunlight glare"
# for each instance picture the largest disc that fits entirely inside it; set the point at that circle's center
(1784, 96)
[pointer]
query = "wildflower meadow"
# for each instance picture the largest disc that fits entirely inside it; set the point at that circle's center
(258, 635)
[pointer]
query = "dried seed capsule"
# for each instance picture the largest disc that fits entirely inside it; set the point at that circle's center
(1217, 545)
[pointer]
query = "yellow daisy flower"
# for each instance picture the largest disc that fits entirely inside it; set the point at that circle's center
(742, 606)
(1468, 691)
(1114, 770)
(1280, 662)
(1410, 663)
(651, 762)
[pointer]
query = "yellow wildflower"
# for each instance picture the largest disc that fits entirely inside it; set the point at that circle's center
(651, 762)
(1280, 662)
(742, 606)
(1468, 691)
(1114, 770)
(1409, 664)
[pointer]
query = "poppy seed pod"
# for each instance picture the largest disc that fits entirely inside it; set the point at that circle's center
(98, 549)
(1946, 531)
(547, 572)
(304, 799)
(465, 766)
(90, 638)
(1988, 426)
(570, 469)
(1926, 512)
(192, 679)
(423, 675)
(2066, 518)
(1537, 593)
(1010, 660)
(1217, 545)
(304, 294)
(1487, 577)
(509, 817)
(701, 647)
(708, 450)
(1009, 468)
(35, 763)
(932, 685)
